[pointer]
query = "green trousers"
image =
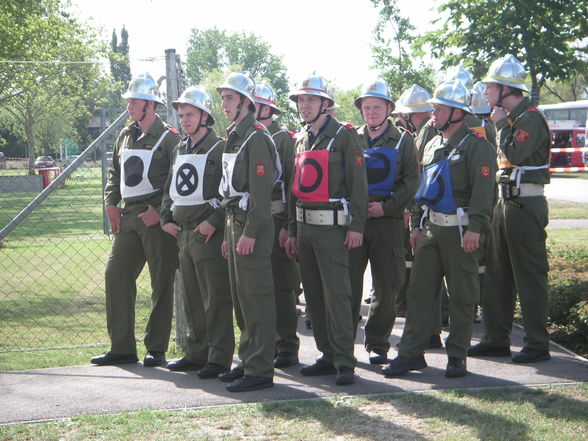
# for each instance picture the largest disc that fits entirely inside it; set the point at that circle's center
(207, 299)
(134, 245)
(516, 263)
(400, 301)
(286, 280)
(439, 253)
(383, 246)
(324, 270)
(252, 288)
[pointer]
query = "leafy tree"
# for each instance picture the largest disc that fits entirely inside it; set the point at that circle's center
(120, 63)
(392, 52)
(541, 33)
(215, 50)
(576, 88)
(60, 78)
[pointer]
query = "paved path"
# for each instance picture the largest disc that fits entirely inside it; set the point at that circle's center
(63, 392)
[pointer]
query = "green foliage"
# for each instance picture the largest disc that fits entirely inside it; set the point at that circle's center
(348, 112)
(215, 50)
(544, 34)
(392, 52)
(120, 64)
(60, 81)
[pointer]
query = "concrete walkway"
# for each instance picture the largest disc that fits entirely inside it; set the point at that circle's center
(70, 391)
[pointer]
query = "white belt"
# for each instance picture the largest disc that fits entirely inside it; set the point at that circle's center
(447, 220)
(278, 206)
(321, 217)
(524, 190)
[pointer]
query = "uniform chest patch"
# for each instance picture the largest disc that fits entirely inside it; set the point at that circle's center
(522, 135)
(358, 161)
(485, 171)
(260, 170)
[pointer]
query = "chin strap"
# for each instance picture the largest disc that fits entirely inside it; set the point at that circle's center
(258, 115)
(451, 121)
(320, 112)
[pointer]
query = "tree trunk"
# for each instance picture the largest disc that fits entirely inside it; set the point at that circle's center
(30, 148)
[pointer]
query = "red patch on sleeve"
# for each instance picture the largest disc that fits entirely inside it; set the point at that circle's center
(358, 161)
(174, 131)
(258, 126)
(485, 171)
(522, 135)
(533, 109)
(479, 135)
(260, 170)
(349, 126)
(292, 135)
(409, 132)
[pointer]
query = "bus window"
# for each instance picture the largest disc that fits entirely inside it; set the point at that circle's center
(581, 139)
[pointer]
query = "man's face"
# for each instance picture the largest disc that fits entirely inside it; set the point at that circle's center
(441, 114)
(135, 108)
(265, 111)
(230, 103)
(309, 106)
(189, 118)
(374, 110)
(492, 92)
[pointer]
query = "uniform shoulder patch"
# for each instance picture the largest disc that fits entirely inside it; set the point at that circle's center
(174, 131)
(409, 133)
(522, 135)
(479, 135)
(349, 126)
(292, 134)
(533, 109)
(258, 126)
(431, 123)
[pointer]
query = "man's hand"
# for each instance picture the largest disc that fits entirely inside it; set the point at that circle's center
(414, 238)
(225, 249)
(375, 209)
(282, 237)
(291, 248)
(114, 214)
(171, 228)
(206, 229)
(353, 240)
(245, 245)
(471, 241)
(497, 114)
(150, 217)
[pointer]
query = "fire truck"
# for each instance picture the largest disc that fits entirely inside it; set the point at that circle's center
(568, 123)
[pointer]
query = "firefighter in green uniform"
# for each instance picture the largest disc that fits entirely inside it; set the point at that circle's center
(284, 270)
(517, 258)
(457, 192)
(328, 210)
(142, 156)
(392, 173)
(482, 110)
(249, 167)
(191, 212)
(415, 110)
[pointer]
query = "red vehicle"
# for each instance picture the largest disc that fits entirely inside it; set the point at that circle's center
(568, 141)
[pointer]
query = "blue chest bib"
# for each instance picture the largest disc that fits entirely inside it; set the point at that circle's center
(435, 189)
(381, 163)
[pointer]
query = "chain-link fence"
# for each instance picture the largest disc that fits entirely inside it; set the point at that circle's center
(54, 250)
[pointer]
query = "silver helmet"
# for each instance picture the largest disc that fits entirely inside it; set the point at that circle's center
(414, 100)
(508, 71)
(459, 73)
(479, 102)
(312, 85)
(332, 96)
(143, 87)
(241, 82)
(266, 95)
(377, 89)
(453, 94)
(196, 96)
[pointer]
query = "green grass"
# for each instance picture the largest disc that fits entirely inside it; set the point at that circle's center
(567, 210)
(542, 414)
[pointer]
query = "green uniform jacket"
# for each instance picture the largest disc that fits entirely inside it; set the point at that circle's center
(526, 142)
(347, 175)
(472, 170)
(160, 164)
(285, 148)
(190, 216)
(424, 134)
(253, 173)
(406, 180)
